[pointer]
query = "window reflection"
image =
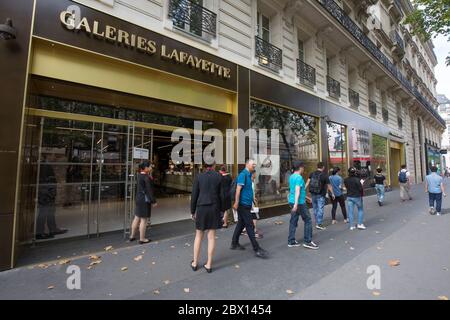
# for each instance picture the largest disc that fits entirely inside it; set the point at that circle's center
(379, 154)
(337, 146)
(298, 139)
(361, 154)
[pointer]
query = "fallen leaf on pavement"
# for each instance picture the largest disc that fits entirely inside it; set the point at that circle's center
(236, 266)
(124, 269)
(66, 261)
(43, 266)
(278, 222)
(376, 293)
(394, 263)
(331, 258)
(289, 291)
(93, 263)
(377, 232)
(138, 258)
(379, 248)
(187, 290)
(153, 262)
(187, 244)
(166, 282)
(351, 248)
(94, 257)
(50, 287)
(114, 253)
(331, 239)
(156, 292)
(173, 247)
(443, 298)
(108, 248)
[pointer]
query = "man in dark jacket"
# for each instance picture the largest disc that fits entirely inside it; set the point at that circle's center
(206, 205)
(354, 198)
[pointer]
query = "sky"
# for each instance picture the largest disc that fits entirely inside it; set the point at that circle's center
(442, 72)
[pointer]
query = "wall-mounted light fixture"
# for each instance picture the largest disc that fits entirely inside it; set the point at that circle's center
(7, 31)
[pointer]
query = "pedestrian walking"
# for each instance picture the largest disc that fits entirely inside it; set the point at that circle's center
(206, 207)
(226, 188)
(405, 183)
(243, 202)
(145, 200)
(255, 210)
(434, 186)
(337, 184)
(318, 185)
(354, 198)
(297, 202)
(380, 186)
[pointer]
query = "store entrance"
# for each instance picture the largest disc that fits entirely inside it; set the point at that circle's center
(85, 176)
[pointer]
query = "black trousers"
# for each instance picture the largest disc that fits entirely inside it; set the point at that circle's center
(341, 201)
(245, 220)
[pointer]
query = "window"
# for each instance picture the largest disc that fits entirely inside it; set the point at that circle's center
(301, 52)
(298, 140)
(263, 27)
(379, 153)
(337, 146)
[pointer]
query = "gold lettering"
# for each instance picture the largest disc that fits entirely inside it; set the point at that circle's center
(227, 73)
(133, 40)
(190, 61)
(123, 37)
(213, 68)
(151, 47)
(69, 23)
(174, 55)
(220, 71)
(85, 25)
(110, 33)
(197, 62)
(205, 65)
(95, 30)
(163, 52)
(183, 56)
(141, 43)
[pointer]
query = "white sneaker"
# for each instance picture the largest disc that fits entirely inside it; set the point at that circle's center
(438, 213)
(361, 227)
(352, 228)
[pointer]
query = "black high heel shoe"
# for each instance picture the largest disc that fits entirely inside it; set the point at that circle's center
(194, 268)
(144, 242)
(132, 239)
(208, 270)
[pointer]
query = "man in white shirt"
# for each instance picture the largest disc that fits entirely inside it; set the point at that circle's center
(405, 183)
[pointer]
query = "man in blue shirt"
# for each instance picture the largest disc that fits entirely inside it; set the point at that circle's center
(435, 187)
(243, 204)
(297, 202)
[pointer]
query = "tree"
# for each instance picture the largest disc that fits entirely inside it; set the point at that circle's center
(429, 19)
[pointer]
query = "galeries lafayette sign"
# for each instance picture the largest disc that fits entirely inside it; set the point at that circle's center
(141, 43)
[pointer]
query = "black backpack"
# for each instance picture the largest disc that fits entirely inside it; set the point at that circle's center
(315, 185)
(233, 188)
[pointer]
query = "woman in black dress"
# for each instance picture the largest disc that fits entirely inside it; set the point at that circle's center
(145, 199)
(206, 206)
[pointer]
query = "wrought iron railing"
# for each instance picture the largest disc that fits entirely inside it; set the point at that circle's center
(400, 122)
(333, 87)
(331, 7)
(189, 16)
(306, 73)
(353, 97)
(397, 40)
(372, 108)
(385, 114)
(398, 5)
(268, 55)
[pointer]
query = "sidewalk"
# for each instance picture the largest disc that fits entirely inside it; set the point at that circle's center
(161, 270)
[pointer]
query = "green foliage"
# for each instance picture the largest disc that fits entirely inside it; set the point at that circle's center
(429, 19)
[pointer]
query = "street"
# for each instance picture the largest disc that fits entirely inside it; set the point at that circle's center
(410, 247)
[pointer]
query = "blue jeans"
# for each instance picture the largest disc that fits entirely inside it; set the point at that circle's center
(318, 203)
(380, 192)
(358, 202)
(432, 197)
(302, 210)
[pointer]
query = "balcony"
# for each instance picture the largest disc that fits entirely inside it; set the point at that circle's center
(333, 88)
(268, 55)
(334, 10)
(353, 97)
(306, 74)
(398, 44)
(395, 9)
(192, 18)
(372, 108)
(400, 122)
(385, 114)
